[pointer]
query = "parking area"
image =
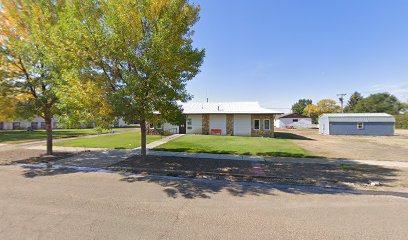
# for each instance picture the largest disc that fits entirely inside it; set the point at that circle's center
(388, 148)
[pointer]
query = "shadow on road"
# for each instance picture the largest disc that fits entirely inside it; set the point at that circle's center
(201, 178)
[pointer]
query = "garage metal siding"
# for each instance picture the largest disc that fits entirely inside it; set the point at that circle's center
(242, 125)
(218, 121)
(370, 128)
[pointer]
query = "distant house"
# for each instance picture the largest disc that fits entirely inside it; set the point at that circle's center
(374, 124)
(224, 118)
(293, 120)
(36, 123)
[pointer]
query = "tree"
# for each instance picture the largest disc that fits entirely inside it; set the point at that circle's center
(313, 112)
(328, 106)
(300, 105)
(323, 106)
(28, 75)
(142, 49)
(355, 98)
(379, 102)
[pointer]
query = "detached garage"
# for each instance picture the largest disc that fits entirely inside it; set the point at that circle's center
(372, 124)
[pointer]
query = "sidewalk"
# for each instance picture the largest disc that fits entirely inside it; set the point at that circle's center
(278, 159)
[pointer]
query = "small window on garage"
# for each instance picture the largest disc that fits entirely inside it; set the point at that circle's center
(159, 126)
(360, 125)
(267, 124)
(295, 120)
(257, 124)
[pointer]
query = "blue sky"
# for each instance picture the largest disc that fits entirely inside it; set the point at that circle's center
(276, 52)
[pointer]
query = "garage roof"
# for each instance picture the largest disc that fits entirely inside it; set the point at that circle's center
(226, 108)
(359, 117)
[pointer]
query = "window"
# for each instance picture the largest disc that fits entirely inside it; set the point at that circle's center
(34, 125)
(42, 125)
(151, 125)
(189, 122)
(267, 124)
(159, 126)
(360, 125)
(1, 125)
(256, 124)
(295, 120)
(16, 125)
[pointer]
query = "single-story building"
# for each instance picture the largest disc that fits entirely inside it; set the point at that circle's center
(293, 120)
(223, 118)
(374, 124)
(36, 123)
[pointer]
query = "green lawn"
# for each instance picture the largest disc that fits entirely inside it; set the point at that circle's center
(118, 141)
(235, 145)
(18, 136)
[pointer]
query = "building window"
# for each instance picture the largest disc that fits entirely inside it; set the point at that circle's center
(16, 125)
(295, 120)
(42, 125)
(267, 124)
(189, 122)
(151, 125)
(34, 125)
(360, 125)
(158, 126)
(257, 124)
(1, 125)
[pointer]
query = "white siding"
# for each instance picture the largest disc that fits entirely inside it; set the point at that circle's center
(218, 121)
(170, 128)
(196, 124)
(288, 123)
(242, 125)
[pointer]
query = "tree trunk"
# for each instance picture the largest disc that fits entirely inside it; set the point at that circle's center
(48, 127)
(143, 131)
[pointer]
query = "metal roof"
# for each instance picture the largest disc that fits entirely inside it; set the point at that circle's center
(292, 115)
(226, 108)
(358, 117)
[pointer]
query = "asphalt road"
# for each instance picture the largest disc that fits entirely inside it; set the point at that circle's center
(37, 204)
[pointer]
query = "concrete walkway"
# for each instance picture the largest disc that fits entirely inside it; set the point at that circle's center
(279, 159)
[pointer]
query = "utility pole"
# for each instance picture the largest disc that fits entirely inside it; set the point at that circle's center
(341, 98)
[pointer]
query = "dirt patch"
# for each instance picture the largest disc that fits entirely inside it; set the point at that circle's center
(30, 156)
(388, 148)
(348, 176)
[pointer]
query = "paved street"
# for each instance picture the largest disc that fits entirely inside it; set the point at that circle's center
(38, 204)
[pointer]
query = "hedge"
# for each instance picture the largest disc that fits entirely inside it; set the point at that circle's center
(401, 121)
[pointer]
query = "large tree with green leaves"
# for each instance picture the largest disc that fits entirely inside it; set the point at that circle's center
(300, 105)
(379, 102)
(143, 51)
(355, 98)
(28, 74)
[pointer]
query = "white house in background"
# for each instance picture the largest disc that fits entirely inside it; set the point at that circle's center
(293, 120)
(36, 123)
(223, 118)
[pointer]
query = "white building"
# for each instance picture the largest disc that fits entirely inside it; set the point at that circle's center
(293, 120)
(36, 123)
(223, 118)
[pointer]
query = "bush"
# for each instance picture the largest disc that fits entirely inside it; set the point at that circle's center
(401, 121)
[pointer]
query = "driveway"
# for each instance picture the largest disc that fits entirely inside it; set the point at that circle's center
(66, 205)
(385, 148)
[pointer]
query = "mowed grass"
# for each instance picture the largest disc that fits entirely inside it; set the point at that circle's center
(117, 141)
(235, 145)
(19, 136)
